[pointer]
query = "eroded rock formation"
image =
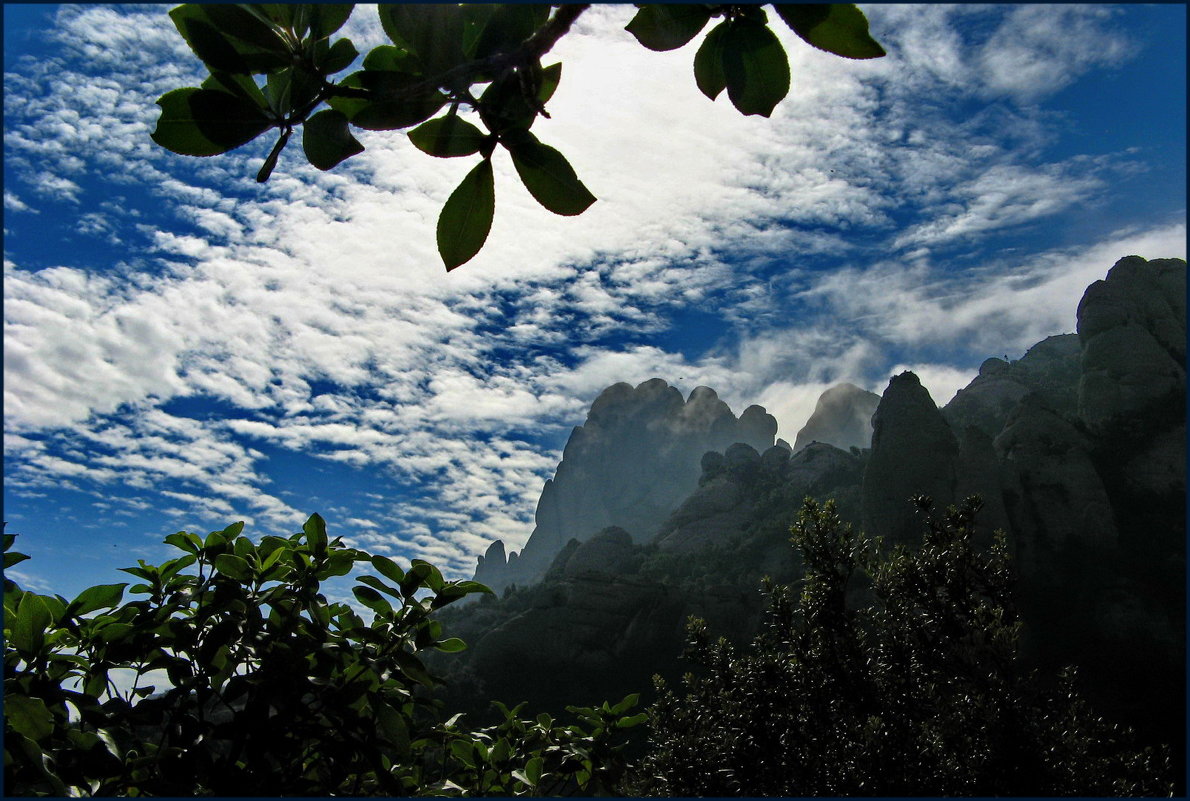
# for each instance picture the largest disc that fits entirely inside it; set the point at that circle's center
(629, 465)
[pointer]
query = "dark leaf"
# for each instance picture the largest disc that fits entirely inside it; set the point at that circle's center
(447, 137)
(400, 101)
(239, 23)
(508, 25)
(327, 139)
(377, 584)
(708, 62)
(395, 730)
(242, 86)
(755, 67)
(668, 27)
(203, 122)
(838, 28)
(433, 576)
(390, 58)
(180, 540)
(339, 563)
(505, 106)
(463, 227)
(33, 617)
(99, 597)
(220, 48)
(233, 566)
(28, 716)
(548, 176)
(315, 530)
(373, 600)
(388, 568)
(326, 18)
(338, 56)
(11, 559)
(432, 32)
(290, 90)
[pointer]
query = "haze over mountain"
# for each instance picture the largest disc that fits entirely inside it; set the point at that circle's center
(1077, 450)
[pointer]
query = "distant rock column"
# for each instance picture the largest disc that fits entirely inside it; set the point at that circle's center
(1133, 331)
(913, 453)
(842, 417)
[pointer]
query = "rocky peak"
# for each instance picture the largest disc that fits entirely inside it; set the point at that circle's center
(630, 464)
(914, 452)
(842, 417)
(1132, 327)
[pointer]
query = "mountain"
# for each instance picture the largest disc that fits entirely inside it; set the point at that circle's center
(664, 508)
(842, 417)
(629, 465)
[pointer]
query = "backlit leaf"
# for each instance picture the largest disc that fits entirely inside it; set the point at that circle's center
(327, 139)
(326, 18)
(668, 26)
(838, 28)
(708, 62)
(431, 31)
(755, 67)
(372, 599)
(506, 27)
(463, 227)
(315, 530)
(203, 122)
(338, 56)
(98, 597)
(28, 716)
(548, 176)
(237, 42)
(447, 137)
(233, 566)
(388, 568)
(33, 617)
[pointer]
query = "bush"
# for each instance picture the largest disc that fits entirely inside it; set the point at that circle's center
(274, 691)
(918, 693)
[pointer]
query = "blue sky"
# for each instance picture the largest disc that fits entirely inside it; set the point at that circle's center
(185, 348)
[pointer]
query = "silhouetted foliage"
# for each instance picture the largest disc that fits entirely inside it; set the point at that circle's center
(274, 690)
(483, 58)
(918, 693)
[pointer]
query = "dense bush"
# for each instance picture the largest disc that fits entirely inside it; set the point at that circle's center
(274, 691)
(919, 693)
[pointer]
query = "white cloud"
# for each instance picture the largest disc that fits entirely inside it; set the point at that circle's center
(255, 295)
(1040, 49)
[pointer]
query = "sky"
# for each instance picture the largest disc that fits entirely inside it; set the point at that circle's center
(185, 348)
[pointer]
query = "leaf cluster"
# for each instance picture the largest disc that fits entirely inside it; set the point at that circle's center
(918, 693)
(272, 66)
(273, 689)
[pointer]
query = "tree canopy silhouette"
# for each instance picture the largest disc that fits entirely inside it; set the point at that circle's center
(271, 67)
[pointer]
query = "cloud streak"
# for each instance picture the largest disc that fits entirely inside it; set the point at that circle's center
(312, 313)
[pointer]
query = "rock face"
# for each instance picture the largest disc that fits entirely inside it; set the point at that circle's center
(629, 465)
(842, 417)
(914, 452)
(664, 507)
(1132, 330)
(1050, 369)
